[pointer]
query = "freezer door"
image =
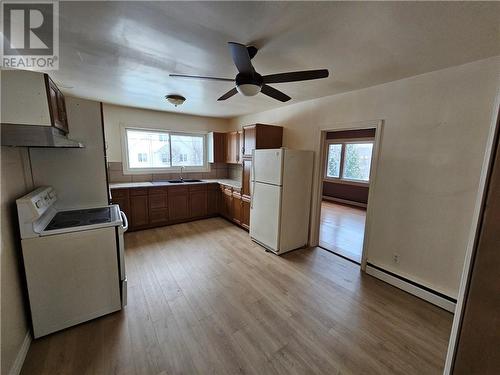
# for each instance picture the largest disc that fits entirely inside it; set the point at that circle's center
(265, 215)
(268, 165)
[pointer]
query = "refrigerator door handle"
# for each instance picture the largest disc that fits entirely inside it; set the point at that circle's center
(252, 177)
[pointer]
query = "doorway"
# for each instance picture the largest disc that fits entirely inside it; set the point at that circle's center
(347, 170)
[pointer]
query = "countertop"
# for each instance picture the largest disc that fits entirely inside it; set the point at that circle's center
(125, 185)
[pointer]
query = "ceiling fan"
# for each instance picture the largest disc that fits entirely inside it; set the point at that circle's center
(249, 82)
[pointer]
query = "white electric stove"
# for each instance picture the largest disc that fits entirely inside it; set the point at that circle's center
(74, 261)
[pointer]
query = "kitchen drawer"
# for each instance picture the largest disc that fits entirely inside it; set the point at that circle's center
(158, 216)
(158, 201)
(178, 190)
(198, 187)
(119, 193)
(157, 190)
(138, 191)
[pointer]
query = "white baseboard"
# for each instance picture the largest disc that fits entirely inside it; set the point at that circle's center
(345, 201)
(412, 289)
(21, 355)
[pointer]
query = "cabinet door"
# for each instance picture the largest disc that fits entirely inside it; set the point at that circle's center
(123, 202)
(246, 179)
(57, 105)
(213, 198)
(198, 203)
(249, 137)
(217, 147)
(178, 204)
(158, 211)
(232, 148)
(245, 213)
(236, 209)
(240, 146)
(139, 215)
(227, 203)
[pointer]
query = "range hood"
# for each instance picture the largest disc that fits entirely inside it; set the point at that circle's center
(36, 136)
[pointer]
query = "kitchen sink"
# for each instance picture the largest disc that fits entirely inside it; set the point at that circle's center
(175, 181)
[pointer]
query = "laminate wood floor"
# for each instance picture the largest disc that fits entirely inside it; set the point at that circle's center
(204, 299)
(342, 229)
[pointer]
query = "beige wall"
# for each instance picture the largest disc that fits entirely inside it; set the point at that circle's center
(116, 116)
(14, 325)
(432, 148)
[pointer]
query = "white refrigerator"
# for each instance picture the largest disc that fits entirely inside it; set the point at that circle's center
(281, 198)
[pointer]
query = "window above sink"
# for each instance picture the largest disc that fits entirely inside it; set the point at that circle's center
(162, 151)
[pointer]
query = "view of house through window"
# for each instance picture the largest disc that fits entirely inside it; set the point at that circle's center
(149, 149)
(349, 161)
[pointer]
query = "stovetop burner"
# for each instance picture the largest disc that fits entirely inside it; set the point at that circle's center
(76, 218)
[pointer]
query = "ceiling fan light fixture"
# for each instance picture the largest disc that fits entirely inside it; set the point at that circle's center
(175, 100)
(248, 89)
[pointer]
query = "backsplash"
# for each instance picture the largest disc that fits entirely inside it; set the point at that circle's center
(115, 173)
(235, 171)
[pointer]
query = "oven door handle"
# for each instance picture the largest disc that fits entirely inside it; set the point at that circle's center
(125, 221)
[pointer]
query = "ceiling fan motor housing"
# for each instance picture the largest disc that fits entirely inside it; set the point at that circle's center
(249, 85)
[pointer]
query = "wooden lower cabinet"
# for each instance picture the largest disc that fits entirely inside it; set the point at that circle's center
(162, 205)
(236, 208)
(213, 199)
(197, 201)
(178, 203)
(227, 203)
(121, 198)
(158, 206)
(245, 212)
(139, 212)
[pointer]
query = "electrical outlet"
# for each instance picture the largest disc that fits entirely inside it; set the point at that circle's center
(395, 258)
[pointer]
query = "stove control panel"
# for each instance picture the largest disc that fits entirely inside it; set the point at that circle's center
(33, 205)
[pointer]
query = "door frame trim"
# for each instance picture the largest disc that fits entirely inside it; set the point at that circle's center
(378, 125)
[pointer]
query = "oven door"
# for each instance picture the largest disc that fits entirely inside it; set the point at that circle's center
(121, 257)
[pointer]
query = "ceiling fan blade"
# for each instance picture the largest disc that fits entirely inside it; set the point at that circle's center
(201, 77)
(241, 58)
(228, 94)
(296, 76)
(275, 94)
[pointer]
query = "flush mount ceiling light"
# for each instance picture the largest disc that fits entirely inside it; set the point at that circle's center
(175, 99)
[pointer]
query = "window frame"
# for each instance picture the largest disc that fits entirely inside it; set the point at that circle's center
(343, 142)
(125, 155)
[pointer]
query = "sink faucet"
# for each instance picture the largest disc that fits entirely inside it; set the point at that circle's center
(182, 170)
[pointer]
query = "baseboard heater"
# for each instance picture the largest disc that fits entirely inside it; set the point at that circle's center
(421, 291)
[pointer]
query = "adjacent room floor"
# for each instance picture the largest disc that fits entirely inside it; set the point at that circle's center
(342, 229)
(205, 299)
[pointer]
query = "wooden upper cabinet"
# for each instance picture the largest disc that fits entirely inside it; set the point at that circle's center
(248, 140)
(57, 105)
(232, 148)
(32, 98)
(260, 136)
(216, 148)
(246, 180)
(240, 146)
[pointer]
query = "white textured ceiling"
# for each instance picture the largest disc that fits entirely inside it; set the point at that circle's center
(122, 52)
